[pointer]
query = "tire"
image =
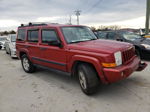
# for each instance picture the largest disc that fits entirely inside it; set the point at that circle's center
(27, 64)
(9, 52)
(11, 55)
(88, 79)
(6, 51)
(138, 53)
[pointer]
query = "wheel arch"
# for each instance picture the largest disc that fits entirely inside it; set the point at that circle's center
(95, 63)
(21, 53)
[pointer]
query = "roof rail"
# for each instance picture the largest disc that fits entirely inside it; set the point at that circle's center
(36, 24)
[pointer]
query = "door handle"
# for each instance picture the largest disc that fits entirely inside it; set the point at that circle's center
(42, 48)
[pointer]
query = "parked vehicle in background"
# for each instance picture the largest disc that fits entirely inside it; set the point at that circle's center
(10, 45)
(76, 50)
(2, 41)
(147, 36)
(0, 45)
(142, 45)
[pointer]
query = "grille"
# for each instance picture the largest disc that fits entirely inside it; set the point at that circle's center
(128, 54)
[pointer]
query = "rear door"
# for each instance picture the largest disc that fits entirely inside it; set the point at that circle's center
(51, 55)
(33, 44)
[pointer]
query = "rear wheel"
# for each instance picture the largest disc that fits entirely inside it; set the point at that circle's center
(27, 64)
(88, 79)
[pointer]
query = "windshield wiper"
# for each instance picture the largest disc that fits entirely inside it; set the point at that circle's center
(82, 41)
(75, 42)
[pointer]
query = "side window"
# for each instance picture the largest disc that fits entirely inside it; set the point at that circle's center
(21, 34)
(102, 35)
(49, 35)
(111, 36)
(33, 35)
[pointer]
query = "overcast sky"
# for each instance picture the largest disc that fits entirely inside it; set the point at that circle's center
(126, 13)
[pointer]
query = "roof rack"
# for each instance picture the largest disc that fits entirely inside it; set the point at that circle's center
(36, 24)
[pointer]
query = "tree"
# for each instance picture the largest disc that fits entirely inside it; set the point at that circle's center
(5, 33)
(12, 32)
(93, 28)
(107, 28)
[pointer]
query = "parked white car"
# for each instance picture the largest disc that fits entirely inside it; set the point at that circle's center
(10, 45)
(2, 41)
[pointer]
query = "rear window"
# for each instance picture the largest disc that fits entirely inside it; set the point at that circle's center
(33, 35)
(21, 34)
(13, 38)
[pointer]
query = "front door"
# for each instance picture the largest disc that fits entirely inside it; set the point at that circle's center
(52, 56)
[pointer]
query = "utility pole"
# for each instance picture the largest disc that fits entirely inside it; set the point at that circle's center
(77, 13)
(70, 19)
(147, 17)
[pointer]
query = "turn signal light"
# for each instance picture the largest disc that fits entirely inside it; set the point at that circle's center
(109, 65)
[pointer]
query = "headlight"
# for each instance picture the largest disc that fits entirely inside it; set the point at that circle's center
(118, 58)
(146, 46)
(118, 61)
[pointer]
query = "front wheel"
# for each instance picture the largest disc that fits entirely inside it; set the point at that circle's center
(138, 53)
(88, 79)
(27, 64)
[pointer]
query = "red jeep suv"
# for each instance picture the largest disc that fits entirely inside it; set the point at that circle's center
(76, 50)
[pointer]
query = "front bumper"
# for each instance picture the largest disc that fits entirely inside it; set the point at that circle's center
(122, 72)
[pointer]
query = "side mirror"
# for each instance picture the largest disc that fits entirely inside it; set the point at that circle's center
(55, 43)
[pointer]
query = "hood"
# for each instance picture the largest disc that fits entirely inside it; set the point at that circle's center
(141, 41)
(100, 46)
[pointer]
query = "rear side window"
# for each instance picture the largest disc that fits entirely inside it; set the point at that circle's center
(49, 35)
(21, 34)
(33, 35)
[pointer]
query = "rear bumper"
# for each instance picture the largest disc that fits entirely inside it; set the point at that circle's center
(122, 72)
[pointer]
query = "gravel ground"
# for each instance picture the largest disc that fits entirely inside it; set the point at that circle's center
(53, 91)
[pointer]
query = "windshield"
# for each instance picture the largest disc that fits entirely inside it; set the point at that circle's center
(2, 39)
(78, 34)
(131, 36)
(13, 38)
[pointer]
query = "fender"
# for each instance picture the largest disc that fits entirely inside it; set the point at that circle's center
(25, 51)
(95, 62)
